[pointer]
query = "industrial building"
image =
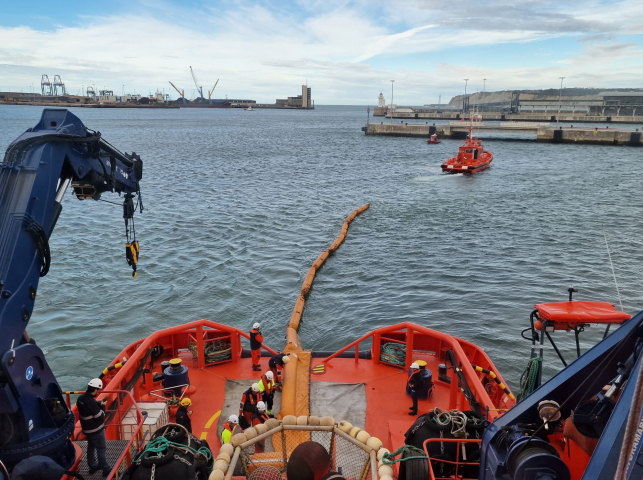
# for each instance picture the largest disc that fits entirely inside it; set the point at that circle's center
(300, 101)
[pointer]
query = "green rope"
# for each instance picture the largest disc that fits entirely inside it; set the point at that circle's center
(161, 444)
(389, 458)
(529, 378)
(394, 353)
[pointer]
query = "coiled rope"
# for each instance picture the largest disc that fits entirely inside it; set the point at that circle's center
(162, 444)
(529, 378)
(456, 418)
(389, 458)
(394, 353)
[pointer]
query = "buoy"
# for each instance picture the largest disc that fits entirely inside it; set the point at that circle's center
(216, 475)
(271, 423)
(220, 465)
(302, 420)
(327, 421)
(385, 470)
(224, 456)
(381, 451)
(376, 444)
(238, 439)
(313, 421)
(354, 431)
(345, 426)
(261, 428)
(386, 477)
(363, 436)
(289, 420)
(250, 433)
(227, 448)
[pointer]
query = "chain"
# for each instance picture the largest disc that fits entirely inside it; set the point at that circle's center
(181, 459)
(153, 471)
(415, 429)
(442, 452)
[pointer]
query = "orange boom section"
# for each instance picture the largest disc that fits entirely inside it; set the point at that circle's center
(296, 386)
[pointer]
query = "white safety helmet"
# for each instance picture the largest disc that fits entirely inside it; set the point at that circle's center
(286, 359)
(255, 387)
(269, 375)
(233, 419)
(261, 406)
(256, 326)
(415, 366)
(96, 383)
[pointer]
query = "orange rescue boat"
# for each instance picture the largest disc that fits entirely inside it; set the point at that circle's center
(471, 158)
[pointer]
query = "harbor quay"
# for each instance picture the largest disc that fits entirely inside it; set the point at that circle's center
(425, 114)
(543, 132)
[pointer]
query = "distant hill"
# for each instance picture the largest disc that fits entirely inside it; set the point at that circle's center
(503, 98)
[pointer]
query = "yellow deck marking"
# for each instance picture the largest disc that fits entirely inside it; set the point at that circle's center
(212, 419)
(203, 435)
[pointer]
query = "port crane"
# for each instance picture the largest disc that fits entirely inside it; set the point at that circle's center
(37, 170)
(181, 92)
(199, 89)
(210, 91)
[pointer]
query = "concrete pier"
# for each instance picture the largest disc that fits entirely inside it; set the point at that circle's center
(601, 136)
(566, 117)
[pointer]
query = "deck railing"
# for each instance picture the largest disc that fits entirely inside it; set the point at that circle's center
(425, 339)
(118, 397)
(457, 464)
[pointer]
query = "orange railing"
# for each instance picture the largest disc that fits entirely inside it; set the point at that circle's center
(136, 435)
(417, 337)
(457, 463)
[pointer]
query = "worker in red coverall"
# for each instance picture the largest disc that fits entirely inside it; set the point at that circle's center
(414, 382)
(276, 363)
(248, 403)
(260, 416)
(256, 339)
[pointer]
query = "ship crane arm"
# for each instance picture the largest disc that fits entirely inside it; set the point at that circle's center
(37, 170)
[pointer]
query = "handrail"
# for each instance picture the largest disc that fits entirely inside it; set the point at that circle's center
(149, 342)
(474, 382)
(139, 425)
(457, 461)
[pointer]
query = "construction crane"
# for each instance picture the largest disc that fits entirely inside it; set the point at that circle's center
(196, 84)
(181, 92)
(210, 92)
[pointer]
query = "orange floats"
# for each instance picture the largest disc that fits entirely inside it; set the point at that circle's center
(296, 386)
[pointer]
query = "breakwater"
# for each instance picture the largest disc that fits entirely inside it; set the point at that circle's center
(596, 136)
(407, 113)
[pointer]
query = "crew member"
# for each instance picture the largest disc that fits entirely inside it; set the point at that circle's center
(414, 382)
(256, 339)
(230, 428)
(92, 421)
(260, 416)
(249, 402)
(183, 414)
(276, 363)
(267, 389)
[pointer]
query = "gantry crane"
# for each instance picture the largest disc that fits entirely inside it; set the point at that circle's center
(199, 89)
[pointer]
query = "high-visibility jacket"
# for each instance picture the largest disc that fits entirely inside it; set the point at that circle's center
(91, 414)
(414, 380)
(226, 434)
(259, 418)
(266, 386)
(256, 339)
(248, 401)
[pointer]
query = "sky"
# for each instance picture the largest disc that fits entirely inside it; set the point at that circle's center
(346, 51)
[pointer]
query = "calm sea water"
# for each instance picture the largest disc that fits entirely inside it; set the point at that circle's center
(238, 205)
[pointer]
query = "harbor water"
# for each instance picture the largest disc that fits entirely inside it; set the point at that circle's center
(238, 205)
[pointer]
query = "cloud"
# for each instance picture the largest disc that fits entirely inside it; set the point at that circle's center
(267, 50)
